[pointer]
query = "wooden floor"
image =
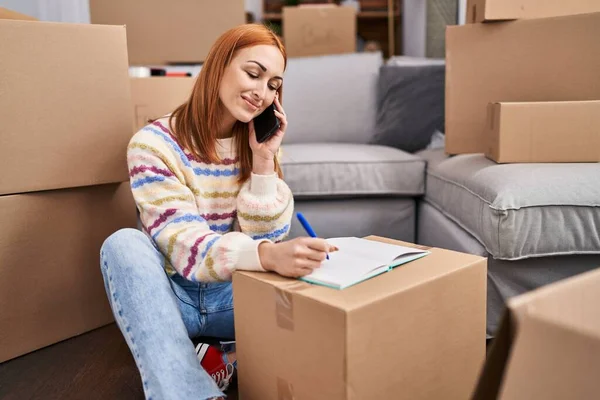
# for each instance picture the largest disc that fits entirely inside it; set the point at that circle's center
(96, 365)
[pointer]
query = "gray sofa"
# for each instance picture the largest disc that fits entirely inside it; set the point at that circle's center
(536, 223)
(345, 185)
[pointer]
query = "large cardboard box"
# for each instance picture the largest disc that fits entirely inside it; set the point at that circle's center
(564, 131)
(51, 285)
(5, 13)
(498, 10)
(65, 105)
(548, 59)
(416, 332)
(155, 97)
(548, 344)
(177, 31)
(314, 30)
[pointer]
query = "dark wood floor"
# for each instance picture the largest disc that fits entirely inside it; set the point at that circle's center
(96, 365)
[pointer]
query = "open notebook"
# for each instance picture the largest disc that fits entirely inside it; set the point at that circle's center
(360, 259)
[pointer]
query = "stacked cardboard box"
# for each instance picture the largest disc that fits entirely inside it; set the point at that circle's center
(502, 10)
(178, 31)
(414, 332)
(525, 90)
(66, 121)
(528, 90)
(169, 42)
(154, 97)
(319, 29)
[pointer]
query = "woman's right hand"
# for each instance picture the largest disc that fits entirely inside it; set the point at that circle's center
(294, 258)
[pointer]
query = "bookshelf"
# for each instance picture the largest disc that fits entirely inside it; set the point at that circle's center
(378, 20)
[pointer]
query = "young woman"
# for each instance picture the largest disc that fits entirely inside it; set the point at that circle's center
(211, 201)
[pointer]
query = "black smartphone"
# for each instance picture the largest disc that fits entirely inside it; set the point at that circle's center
(266, 124)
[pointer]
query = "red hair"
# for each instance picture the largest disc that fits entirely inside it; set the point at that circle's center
(196, 122)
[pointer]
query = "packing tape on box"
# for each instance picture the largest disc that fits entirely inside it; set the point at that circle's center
(284, 304)
(285, 390)
(284, 309)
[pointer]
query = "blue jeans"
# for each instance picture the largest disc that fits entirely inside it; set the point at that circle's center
(158, 315)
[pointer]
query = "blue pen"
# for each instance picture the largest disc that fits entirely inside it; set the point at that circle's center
(307, 227)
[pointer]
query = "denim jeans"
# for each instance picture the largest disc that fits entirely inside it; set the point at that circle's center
(158, 315)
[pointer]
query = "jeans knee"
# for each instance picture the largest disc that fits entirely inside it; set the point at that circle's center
(119, 239)
(120, 242)
(130, 252)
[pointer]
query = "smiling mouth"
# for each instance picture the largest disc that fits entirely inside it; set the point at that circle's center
(253, 106)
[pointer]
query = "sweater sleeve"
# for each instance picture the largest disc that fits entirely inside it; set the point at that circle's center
(170, 216)
(265, 206)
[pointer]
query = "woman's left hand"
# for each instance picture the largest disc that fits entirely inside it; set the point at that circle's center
(267, 150)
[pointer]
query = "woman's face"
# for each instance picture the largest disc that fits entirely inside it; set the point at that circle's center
(251, 81)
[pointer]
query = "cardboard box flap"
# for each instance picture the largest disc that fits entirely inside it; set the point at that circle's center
(566, 303)
(552, 361)
(286, 288)
(524, 354)
(404, 277)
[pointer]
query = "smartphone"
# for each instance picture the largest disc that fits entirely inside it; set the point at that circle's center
(266, 124)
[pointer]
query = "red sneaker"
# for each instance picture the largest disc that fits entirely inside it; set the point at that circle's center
(214, 361)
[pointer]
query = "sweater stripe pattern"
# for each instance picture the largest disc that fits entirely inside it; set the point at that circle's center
(198, 216)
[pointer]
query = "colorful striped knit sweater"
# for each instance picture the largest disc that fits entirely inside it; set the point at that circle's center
(201, 219)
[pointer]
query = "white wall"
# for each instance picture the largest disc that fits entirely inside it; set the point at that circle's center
(414, 25)
(27, 7)
(462, 12)
(255, 7)
(52, 10)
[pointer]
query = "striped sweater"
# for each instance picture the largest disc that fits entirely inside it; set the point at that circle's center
(200, 218)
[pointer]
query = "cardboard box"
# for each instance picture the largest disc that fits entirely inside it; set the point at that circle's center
(315, 30)
(548, 345)
(5, 13)
(51, 287)
(548, 59)
(415, 332)
(498, 10)
(65, 105)
(567, 131)
(155, 97)
(180, 31)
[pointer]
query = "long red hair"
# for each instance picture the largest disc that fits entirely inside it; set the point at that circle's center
(195, 123)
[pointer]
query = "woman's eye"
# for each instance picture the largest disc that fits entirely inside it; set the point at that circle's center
(251, 75)
(272, 88)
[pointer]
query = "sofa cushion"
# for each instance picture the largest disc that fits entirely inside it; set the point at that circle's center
(410, 102)
(520, 210)
(316, 170)
(331, 98)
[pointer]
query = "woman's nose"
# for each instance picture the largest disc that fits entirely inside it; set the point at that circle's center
(259, 92)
